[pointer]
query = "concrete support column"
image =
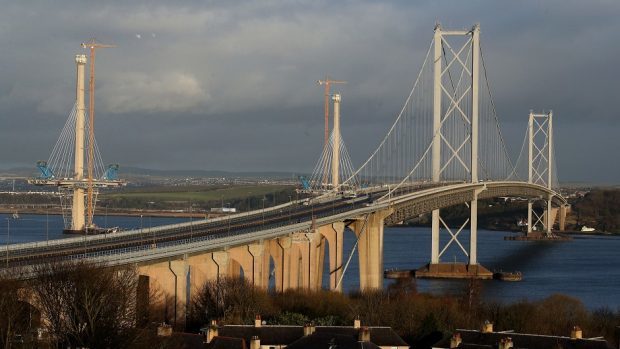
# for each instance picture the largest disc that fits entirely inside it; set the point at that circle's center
(435, 237)
(316, 258)
(202, 268)
(280, 251)
(221, 261)
(303, 248)
(334, 234)
(257, 251)
(473, 231)
(249, 258)
(307, 256)
(370, 249)
(529, 217)
(549, 216)
(180, 272)
(319, 249)
(563, 212)
(170, 278)
(234, 269)
(266, 261)
(296, 269)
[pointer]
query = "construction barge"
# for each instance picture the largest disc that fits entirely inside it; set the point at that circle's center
(451, 271)
(538, 236)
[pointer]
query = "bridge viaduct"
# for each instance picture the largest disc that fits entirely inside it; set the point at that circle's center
(295, 255)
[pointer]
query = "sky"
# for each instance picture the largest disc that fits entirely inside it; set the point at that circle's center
(231, 85)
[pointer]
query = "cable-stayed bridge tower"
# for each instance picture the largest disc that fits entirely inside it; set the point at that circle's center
(334, 166)
(65, 166)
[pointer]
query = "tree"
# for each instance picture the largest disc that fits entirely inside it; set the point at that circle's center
(233, 300)
(16, 314)
(86, 304)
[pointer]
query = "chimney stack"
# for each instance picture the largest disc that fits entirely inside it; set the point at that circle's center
(309, 329)
(506, 343)
(357, 323)
(576, 333)
(255, 342)
(455, 341)
(364, 334)
(257, 321)
(212, 331)
(164, 330)
(487, 327)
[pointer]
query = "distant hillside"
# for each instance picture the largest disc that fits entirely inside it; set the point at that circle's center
(599, 209)
(126, 172)
(137, 171)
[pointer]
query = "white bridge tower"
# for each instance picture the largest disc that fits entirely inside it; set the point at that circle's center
(455, 99)
(540, 167)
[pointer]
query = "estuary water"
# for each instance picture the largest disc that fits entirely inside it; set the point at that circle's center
(587, 267)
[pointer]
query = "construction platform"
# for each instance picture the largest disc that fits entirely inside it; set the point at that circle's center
(452, 271)
(538, 236)
(442, 271)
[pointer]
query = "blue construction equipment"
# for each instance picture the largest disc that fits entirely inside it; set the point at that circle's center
(111, 173)
(46, 172)
(304, 183)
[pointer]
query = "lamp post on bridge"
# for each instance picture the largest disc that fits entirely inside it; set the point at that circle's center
(228, 214)
(47, 226)
(264, 198)
(290, 207)
(141, 227)
(8, 237)
(191, 222)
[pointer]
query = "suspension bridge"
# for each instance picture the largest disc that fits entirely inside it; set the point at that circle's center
(445, 148)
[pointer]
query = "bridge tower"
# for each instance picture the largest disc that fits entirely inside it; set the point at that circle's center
(540, 167)
(77, 209)
(336, 145)
(455, 100)
(76, 189)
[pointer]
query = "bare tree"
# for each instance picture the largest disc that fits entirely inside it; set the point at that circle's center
(230, 299)
(85, 304)
(16, 314)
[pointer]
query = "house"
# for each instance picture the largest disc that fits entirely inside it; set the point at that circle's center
(486, 338)
(262, 336)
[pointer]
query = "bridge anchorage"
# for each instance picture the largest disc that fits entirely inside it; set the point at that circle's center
(65, 166)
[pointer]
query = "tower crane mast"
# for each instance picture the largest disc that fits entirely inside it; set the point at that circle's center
(327, 83)
(92, 45)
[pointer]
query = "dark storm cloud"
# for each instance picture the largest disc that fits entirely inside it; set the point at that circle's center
(231, 85)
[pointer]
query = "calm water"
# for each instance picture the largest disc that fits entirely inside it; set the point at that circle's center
(586, 267)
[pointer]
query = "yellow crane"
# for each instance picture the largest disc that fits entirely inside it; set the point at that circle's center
(93, 45)
(327, 82)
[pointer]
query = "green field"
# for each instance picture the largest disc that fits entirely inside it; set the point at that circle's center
(212, 196)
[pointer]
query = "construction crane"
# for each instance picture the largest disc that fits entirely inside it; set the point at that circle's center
(93, 45)
(327, 82)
